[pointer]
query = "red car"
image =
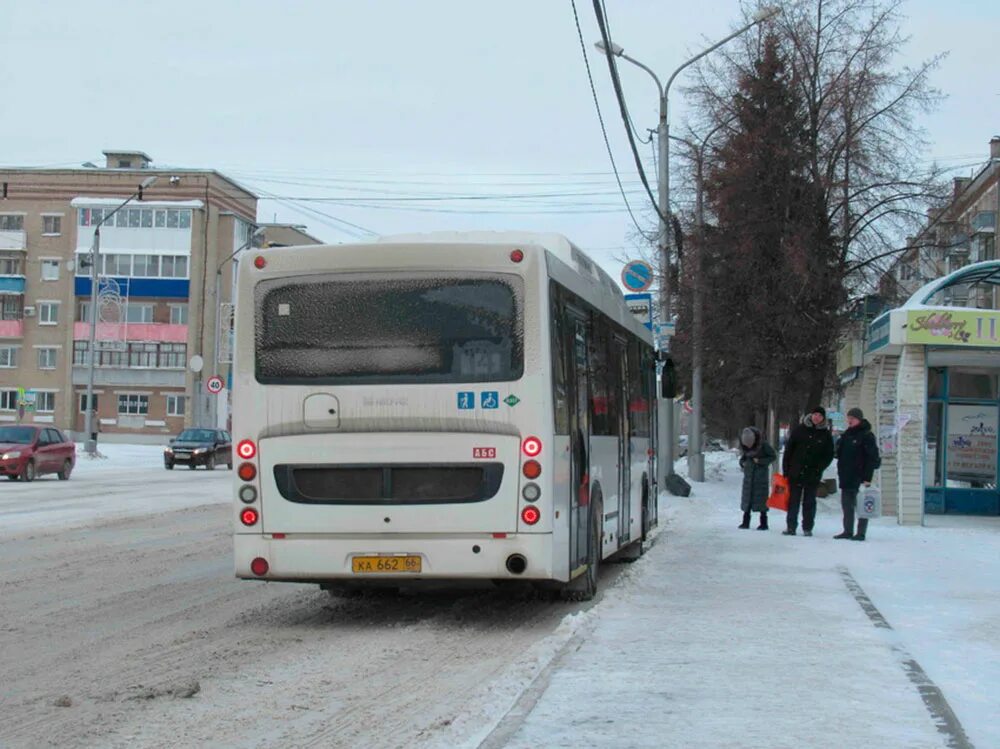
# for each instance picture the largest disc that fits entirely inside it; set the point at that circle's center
(30, 451)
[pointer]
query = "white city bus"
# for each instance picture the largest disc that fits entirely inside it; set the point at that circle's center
(439, 407)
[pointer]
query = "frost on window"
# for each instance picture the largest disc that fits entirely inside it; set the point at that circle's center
(384, 328)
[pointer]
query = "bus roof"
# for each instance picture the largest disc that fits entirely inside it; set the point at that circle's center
(610, 296)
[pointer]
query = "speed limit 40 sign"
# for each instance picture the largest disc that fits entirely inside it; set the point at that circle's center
(215, 384)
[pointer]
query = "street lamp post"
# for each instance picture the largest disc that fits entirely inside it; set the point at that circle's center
(666, 410)
(90, 444)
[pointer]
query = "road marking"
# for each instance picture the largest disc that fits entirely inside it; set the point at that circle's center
(934, 700)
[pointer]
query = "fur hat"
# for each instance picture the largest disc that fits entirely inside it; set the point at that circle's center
(749, 437)
(857, 413)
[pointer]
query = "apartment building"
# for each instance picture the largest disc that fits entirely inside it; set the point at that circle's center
(157, 310)
(955, 235)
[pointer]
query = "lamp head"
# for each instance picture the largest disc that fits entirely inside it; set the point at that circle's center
(616, 49)
(766, 13)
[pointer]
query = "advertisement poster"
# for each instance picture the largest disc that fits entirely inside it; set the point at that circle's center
(972, 443)
(953, 327)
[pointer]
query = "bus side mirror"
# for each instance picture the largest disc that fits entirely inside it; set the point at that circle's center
(668, 380)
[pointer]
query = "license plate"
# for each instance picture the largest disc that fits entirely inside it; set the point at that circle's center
(377, 564)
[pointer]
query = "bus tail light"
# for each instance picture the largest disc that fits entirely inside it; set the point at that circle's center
(532, 469)
(531, 492)
(530, 515)
(246, 449)
(249, 516)
(259, 262)
(531, 446)
(259, 566)
(248, 493)
(517, 256)
(247, 472)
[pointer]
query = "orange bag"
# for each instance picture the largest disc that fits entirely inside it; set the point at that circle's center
(779, 494)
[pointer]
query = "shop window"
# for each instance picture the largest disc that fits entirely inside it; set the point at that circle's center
(971, 384)
(972, 446)
(935, 383)
(934, 454)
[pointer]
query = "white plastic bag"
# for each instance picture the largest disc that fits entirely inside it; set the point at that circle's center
(869, 504)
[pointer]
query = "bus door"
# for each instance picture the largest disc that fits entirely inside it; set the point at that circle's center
(624, 443)
(579, 430)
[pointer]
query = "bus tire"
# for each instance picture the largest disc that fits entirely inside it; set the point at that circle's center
(584, 588)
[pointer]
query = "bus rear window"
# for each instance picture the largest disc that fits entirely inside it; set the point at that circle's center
(374, 329)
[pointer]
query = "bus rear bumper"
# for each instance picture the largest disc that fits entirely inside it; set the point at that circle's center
(323, 558)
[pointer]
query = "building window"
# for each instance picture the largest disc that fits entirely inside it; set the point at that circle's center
(83, 312)
(12, 307)
(133, 405)
(178, 314)
(50, 270)
(175, 405)
(52, 225)
(48, 313)
(8, 400)
(47, 358)
(134, 266)
(173, 355)
(11, 222)
(45, 403)
(83, 402)
(124, 164)
(8, 357)
(10, 264)
(138, 313)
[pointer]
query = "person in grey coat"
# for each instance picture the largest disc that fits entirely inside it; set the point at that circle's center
(755, 459)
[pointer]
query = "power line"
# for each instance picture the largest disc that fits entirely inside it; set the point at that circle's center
(604, 131)
(617, 84)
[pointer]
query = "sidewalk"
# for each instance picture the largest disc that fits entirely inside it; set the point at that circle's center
(721, 637)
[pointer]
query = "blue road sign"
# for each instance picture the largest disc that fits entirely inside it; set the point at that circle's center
(466, 400)
(637, 275)
(489, 399)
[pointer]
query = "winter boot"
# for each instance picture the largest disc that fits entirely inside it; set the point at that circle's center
(746, 521)
(789, 532)
(844, 535)
(763, 522)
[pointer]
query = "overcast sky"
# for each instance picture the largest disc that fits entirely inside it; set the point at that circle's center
(387, 98)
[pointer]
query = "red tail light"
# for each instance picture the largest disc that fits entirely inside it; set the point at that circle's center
(259, 566)
(532, 469)
(259, 262)
(249, 516)
(517, 256)
(530, 515)
(246, 449)
(247, 472)
(531, 446)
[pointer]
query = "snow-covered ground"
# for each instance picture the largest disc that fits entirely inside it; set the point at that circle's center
(724, 637)
(128, 480)
(718, 637)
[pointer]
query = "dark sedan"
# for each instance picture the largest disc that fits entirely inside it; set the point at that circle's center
(199, 447)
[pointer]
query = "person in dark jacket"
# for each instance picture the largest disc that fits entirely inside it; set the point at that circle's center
(755, 458)
(857, 460)
(808, 452)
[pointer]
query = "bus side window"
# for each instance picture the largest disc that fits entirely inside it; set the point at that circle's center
(638, 397)
(560, 377)
(603, 406)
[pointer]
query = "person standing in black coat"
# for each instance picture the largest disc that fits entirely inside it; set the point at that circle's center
(756, 457)
(857, 460)
(808, 452)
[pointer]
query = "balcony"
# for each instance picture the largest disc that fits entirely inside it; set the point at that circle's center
(11, 328)
(135, 331)
(12, 284)
(11, 239)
